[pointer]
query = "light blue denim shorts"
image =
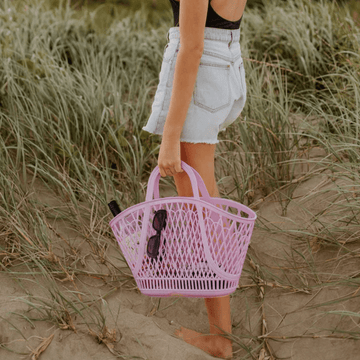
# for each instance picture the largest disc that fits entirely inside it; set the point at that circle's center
(219, 93)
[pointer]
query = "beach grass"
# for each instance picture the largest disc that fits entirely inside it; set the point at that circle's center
(76, 87)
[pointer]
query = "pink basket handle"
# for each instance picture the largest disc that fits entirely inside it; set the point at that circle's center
(197, 183)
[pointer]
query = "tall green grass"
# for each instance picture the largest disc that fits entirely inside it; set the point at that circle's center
(74, 96)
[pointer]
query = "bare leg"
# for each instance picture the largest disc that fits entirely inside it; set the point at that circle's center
(218, 310)
(215, 345)
(201, 158)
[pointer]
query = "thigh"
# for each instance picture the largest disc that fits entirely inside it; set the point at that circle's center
(201, 157)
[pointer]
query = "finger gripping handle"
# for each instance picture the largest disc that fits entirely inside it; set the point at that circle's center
(197, 183)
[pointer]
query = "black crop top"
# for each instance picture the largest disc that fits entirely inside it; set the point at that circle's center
(212, 20)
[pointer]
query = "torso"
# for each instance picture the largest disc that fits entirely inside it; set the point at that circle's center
(231, 10)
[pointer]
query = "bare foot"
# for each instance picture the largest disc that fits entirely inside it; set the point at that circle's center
(214, 345)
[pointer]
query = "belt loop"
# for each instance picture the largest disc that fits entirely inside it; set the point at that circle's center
(230, 40)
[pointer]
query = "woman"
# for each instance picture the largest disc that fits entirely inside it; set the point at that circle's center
(201, 91)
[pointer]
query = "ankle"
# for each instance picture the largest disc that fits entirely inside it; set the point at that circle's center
(222, 347)
(218, 331)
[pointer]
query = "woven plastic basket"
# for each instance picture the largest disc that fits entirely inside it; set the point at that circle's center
(202, 247)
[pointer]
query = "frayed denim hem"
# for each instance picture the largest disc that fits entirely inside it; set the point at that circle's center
(201, 141)
(187, 141)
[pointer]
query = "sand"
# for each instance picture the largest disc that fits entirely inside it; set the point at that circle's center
(143, 327)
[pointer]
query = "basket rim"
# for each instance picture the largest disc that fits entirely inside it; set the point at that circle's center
(186, 199)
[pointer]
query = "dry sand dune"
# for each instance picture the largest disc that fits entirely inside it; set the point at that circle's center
(143, 326)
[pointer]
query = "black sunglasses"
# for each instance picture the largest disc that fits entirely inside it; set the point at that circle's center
(159, 223)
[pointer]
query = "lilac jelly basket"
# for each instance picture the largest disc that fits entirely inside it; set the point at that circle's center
(193, 247)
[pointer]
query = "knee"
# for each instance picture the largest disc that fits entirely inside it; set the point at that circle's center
(183, 184)
(184, 187)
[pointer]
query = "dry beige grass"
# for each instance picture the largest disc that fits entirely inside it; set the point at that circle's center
(71, 106)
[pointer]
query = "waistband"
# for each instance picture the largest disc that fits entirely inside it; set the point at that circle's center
(226, 35)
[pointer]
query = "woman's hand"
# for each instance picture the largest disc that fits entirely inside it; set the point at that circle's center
(169, 160)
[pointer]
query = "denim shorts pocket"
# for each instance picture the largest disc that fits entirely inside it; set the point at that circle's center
(212, 87)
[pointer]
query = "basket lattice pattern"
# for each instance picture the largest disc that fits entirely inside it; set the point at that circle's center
(183, 263)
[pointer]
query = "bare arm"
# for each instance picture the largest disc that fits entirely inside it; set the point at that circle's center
(186, 69)
(192, 26)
